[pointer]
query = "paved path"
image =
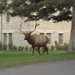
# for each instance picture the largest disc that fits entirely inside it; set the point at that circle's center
(51, 68)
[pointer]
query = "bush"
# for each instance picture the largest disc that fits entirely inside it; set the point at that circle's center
(10, 45)
(14, 48)
(26, 48)
(66, 46)
(20, 48)
(61, 47)
(4, 47)
(57, 46)
(52, 47)
(30, 48)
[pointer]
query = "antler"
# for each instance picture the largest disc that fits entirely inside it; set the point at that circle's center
(30, 31)
(35, 27)
(20, 28)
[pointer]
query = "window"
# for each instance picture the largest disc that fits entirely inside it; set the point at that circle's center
(5, 38)
(49, 36)
(41, 33)
(10, 37)
(8, 17)
(60, 38)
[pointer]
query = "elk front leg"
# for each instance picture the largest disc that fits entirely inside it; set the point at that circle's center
(43, 52)
(33, 50)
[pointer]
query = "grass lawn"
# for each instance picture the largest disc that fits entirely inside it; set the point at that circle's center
(18, 58)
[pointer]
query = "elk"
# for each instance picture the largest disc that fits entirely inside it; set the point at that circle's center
(36, 40)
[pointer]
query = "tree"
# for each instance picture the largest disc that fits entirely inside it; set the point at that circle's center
(2, 8)
(45, 8)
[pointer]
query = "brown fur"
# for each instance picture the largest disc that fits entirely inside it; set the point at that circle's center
(37, 41)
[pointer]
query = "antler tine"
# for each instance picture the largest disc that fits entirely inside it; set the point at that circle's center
(20, 28)
(35, 28)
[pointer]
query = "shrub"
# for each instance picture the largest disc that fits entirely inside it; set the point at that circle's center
(14, 47)
(10, 45)
(57, 46)
(26, 48)
(4, 47)
(66, 46)
(52, 47)
(61, 47)
(20, 48)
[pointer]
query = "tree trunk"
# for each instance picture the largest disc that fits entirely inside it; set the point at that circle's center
(0, 52)
(72, 36)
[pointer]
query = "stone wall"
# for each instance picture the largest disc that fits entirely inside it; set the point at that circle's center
(44, 27)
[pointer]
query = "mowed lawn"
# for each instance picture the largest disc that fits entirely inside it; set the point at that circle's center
(18, 58)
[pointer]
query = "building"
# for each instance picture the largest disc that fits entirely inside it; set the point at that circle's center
(59, 32)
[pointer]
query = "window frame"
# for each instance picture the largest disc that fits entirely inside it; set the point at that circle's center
(10, 38)
(5, 38)
(49, 36)
(60, 38)
(7, 17)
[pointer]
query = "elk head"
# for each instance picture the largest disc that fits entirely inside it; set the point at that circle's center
(27, 35)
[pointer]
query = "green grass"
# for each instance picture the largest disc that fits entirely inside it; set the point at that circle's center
(18, 58)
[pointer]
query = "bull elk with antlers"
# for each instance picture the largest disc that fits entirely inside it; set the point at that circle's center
(36, 40)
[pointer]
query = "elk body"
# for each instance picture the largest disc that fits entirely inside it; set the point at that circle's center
(36, 41)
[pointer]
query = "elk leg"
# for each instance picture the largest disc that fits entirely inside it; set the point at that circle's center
(33, 50)
(43, 52)
(45, 49)
(39, 50)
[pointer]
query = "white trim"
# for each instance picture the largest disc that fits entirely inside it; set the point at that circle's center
(11, 31)
(61, 32)
(51, 31)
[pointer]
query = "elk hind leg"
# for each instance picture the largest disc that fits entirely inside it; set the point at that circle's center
(45, 49)
(39, 50)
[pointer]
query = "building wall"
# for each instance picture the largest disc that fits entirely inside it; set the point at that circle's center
(45, 27)
(10, 25)
(55, 29)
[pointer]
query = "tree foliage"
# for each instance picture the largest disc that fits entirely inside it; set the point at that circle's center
(44, 8)
(3, 6)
